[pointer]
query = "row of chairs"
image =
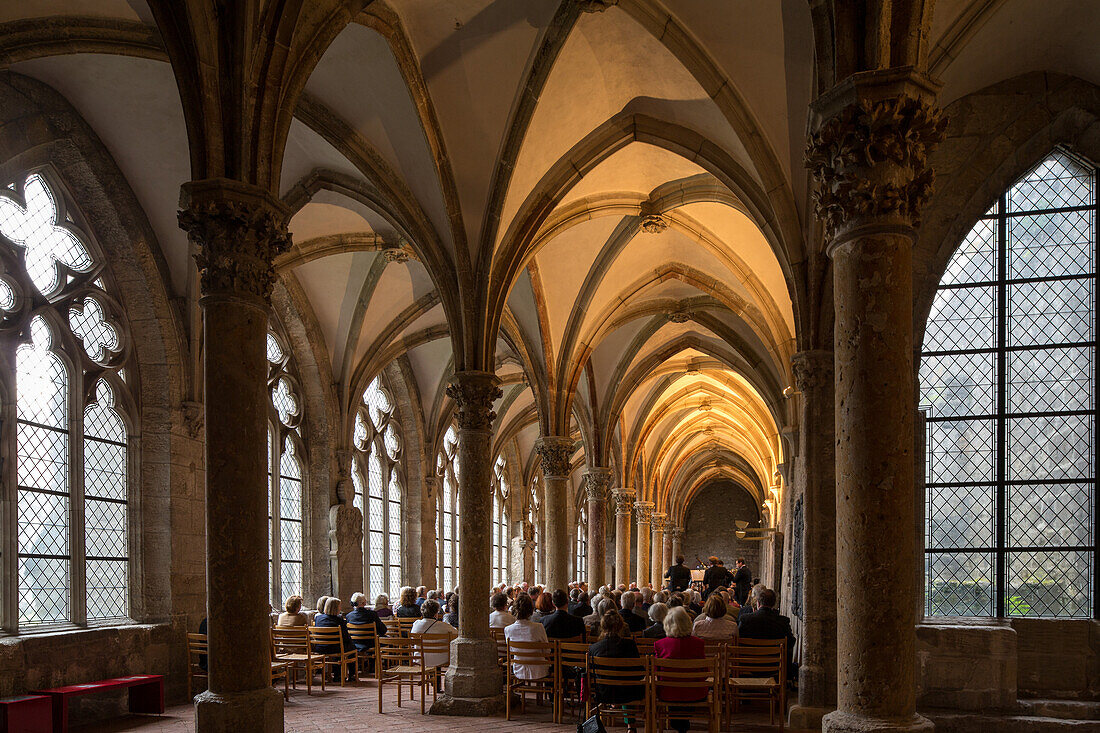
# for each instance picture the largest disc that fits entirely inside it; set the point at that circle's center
(731, 672)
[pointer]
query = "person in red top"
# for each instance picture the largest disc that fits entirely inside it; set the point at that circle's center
(679, 644)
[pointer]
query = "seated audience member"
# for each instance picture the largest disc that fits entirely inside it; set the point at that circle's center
(616, 643)
(408, 607)
(524, 629)
(679, 644)
(321, 604)
(713, 623)
(500, 618)
(642, 613)
(293, 615)
(647, 600)
(429, 624)
(733, 608)
(660, 596)
(753, 603)
(451, 617)
(657, 613)
(675, 601)
(332, 617)
(581, 608)
(592, 621)
(693, 603)
(767, 623)
(634, 622)
(382, 606)
(360, 614)
(561, 624)
(544, 606)
(421, 595)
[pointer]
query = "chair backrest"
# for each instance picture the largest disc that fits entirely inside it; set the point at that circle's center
(326, 635)
(757, 658)
(362, 633)
(687, 674)
(404, 625)
(424, 644)
(502, 643)
(618, 671)
(196, 648)
(572, 654)
(290, 639)
(645, 646)
(395, 650)
(716, 649)
(531, 652)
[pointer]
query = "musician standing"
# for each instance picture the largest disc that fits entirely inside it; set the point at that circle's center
(679, 577)
(743, 581)
(715, 577)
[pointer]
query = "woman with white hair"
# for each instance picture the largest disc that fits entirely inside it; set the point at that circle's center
(657, 613)
(332, 617)
(429, 624)
(382, 606)
(361, 615)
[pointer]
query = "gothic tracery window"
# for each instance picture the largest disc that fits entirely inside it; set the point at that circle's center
(580, 554)
(447, 468)
(1008, 375)
(284, 476)
(500, 523)
(71, 407)
(377, 484)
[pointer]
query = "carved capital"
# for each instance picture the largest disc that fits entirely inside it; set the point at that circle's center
(624, 501)
(644, 510)
(239, 230)
(680, 315)
(431, 485)
(870, 160)
(554, 454)
(396, 254)
(596, 483)
(474, 394)
(812, 369)
(658, 521)
(677, 533)
(595, 6)
(193, 418)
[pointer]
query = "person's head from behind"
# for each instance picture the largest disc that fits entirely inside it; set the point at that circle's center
(408, 596)
(452, 603)
(612, 625)
(381, 601)
(294, 604)
(767, 598)
(523, 607)
(679, 559)
(605, 607)
(559, 599)
(716, 607)
(421, 591)
(429, 608)
(358, 599)
(657, 612)
(677, 623)
(676, 601)
(321, 604)
(500, 602)
(647, 595)
(754, 594)
(332, 606)
(545, 603)
(582, 599)
(628, 601)
(660, 597)
(432, 595)
(575, 595)
(714, 560)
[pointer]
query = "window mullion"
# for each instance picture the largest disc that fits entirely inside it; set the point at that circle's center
(1002, 380)
(275, 491)
(78, 597)
(1095, 589)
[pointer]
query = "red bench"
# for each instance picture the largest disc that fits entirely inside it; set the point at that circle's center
(146, 695)
(25, 714)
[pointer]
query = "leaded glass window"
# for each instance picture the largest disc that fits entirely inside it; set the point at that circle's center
(285, 476)
(1007, 376)
(500, 523)
(580, 555)
(376, 477)
(447, 468)
(70, 536)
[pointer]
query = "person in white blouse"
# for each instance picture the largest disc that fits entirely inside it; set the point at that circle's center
(524, 629)
(500, 618)
(428, 624)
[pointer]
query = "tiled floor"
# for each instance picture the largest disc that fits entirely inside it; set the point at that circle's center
(355, 708)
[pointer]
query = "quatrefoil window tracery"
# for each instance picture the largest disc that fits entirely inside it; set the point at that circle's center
(285, 401)
(89, 323)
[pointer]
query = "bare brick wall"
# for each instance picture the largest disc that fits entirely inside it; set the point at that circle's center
(709, 526)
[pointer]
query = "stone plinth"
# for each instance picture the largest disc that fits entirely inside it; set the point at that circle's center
(967, 666)
(254, 710)
(472, 685)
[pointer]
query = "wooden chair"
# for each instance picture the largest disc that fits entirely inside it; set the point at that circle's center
(529, 653)
(196, 651)
(425, 646)
(756, 669)
(645, 646)
(291, 645)
(364, 635)
(405, 625)
(281, 671)
(700, 675)
(613, 672)
(502, 645)
(395, 663)
(571, 664)
(342, 660)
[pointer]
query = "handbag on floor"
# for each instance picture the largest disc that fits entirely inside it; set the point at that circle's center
(592, 725)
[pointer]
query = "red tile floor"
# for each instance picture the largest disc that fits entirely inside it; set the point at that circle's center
(355, 708)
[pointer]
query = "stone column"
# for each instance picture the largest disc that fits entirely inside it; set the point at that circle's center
(644, 512)
(813, 378)
(624, 500)
(473, 683)
(657, 550)
(554, 453)
(596, 482)
(869, 158)
(239, 229)
(429, 574)
(677, 543)
(668, 551)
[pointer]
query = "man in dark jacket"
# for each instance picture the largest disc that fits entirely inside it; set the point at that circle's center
(561, 624)
(679, 577)
(743, 581)
(582, 607)
(715, 577)
(767, 623)
(360, 614)
(634, 622)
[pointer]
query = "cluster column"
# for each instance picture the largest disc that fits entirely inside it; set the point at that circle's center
(596, 483)
(869, 158)
(624, 500)
(644, 512)
(657, 554)
(473, 682)
(554, 453)
(239, 229)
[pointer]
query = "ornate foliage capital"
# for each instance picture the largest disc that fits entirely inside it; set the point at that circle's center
(870, 160)
(554, 454)
(624, 500)
(644, 510)
(659, 521)
(676, 532)
(474, 394)
(812, 369)
(396, 254)
(596, 483)
(239, 230)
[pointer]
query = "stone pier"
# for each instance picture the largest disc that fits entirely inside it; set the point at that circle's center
(624, 501)
(657, 551)
(554, 453)
(596, 483)
(644, 512)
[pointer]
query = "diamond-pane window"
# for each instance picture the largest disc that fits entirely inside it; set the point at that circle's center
(376, 437)
(1007, 379)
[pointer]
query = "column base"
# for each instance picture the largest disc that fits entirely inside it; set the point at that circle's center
(473, 672)
(468, 707)
(844, 722)
(254, 710)
(806, 717)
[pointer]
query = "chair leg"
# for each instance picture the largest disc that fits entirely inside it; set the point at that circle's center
(507, 700)
(380, 694)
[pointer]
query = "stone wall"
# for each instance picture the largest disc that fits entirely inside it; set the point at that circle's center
(708, 526)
